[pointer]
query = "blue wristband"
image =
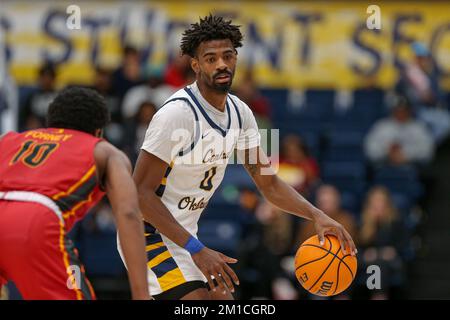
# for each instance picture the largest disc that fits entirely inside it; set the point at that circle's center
(193, 245)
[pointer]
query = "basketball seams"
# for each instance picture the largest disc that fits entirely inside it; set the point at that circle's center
(326, 254)
(337, 277)
(331, 262)
(315, 260)
(338, 269)
(349, 269)
(334, 254)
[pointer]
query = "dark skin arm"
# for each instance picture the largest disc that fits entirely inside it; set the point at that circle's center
(148, 174)
(114, 169)
(283, 196)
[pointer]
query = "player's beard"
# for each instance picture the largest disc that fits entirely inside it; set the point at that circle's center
(221, 87)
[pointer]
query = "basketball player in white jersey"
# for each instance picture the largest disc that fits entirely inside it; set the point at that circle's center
(183, 159)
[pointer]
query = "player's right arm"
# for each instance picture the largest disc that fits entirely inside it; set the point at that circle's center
(158, 150)
(115, 172)
(147, 175)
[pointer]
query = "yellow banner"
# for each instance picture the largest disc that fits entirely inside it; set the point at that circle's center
(288, 44)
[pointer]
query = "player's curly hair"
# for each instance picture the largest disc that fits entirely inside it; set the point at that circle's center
(209, 28)
(78, 108)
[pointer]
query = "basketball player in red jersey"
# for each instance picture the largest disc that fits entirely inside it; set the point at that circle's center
(49, 179)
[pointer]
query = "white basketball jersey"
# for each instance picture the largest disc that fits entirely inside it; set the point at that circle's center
(198, 169)
(197, 141)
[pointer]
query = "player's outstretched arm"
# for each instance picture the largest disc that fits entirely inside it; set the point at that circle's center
(283, 196)
(122, 195)
(147, 175)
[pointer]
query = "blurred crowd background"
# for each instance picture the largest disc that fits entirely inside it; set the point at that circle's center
(369, 146)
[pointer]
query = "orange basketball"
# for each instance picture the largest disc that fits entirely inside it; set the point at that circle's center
(324, 270)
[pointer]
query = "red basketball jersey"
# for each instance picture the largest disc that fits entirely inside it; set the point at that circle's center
(57, 163)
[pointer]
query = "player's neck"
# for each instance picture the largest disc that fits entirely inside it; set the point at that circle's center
(214, 98)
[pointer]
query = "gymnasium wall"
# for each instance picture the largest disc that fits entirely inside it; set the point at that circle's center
(288, 44)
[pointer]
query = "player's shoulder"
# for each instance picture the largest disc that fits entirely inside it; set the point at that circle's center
(177, 103)
(175, 112)
(9, 133)
(105, 150)
(178, 98)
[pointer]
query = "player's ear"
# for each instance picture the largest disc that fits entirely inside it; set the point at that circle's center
(99, 133)
(195, 65)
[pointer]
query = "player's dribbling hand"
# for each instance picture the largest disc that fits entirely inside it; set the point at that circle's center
(325, 225)
(213, 263)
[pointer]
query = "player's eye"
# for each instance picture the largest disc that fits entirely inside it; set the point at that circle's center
(211, 60)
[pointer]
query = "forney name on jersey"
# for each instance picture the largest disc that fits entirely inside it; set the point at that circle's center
(47, 136)
(190, 204)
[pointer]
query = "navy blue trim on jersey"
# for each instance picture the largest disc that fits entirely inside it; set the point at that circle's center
(237, 112)
(152, 254)
(205, 114)
(197, 137)
(185, 100)
(197, 125)
(148, 228)
(165, 266)
(162, 187)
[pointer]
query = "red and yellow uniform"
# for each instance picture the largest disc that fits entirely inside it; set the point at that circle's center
(48, 181)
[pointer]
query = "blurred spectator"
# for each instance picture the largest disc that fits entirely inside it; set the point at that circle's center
(3, 107)
(437, 119)
(8, 97)
(419, 82)
(3, 293)
(101, 220)
(136, 128)
(114, 131)
(399, 139)
(179, 72)
(382, 238)
(129, 72)
(33, 112)
(8, 103)
(248, 92)
(279, 238)
(255, 274)
(278, 229)
(154, 90)
(115, 134)
(103, 85)
(328, 199)
(297, 167)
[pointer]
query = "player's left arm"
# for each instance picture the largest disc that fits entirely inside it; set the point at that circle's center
(283, 196)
